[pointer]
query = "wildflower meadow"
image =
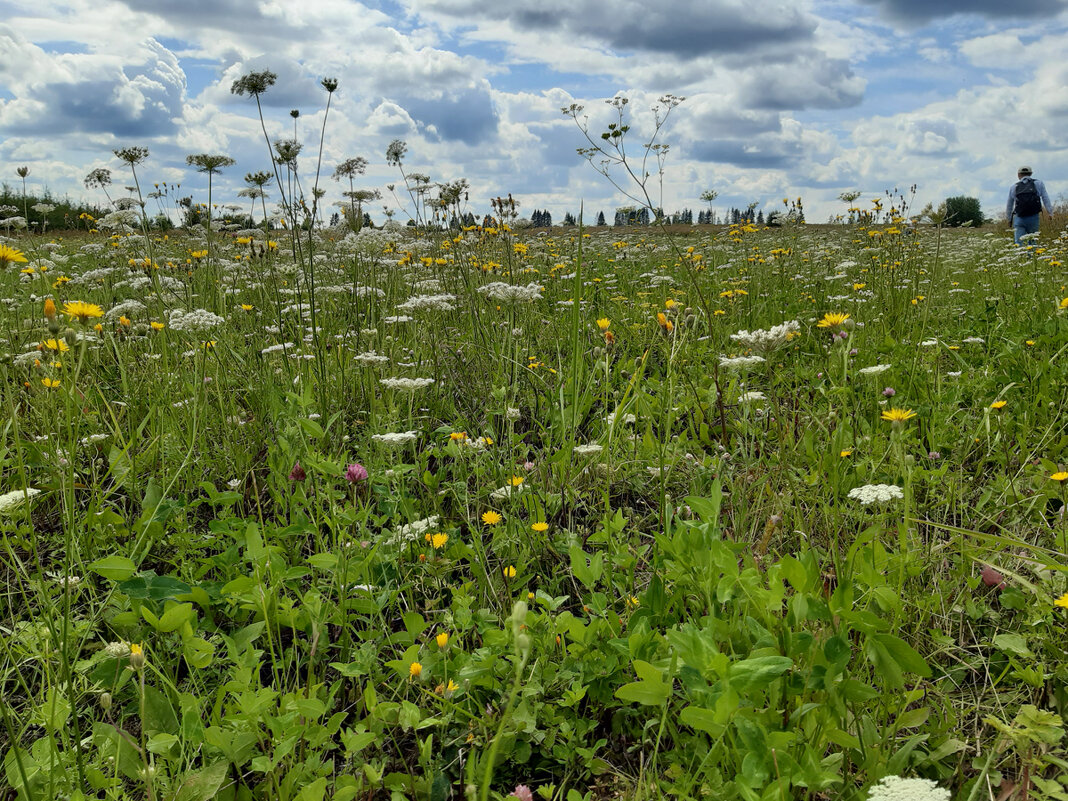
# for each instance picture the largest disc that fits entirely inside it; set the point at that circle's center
(464, 509)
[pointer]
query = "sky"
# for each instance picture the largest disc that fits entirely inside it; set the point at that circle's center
(802, 99)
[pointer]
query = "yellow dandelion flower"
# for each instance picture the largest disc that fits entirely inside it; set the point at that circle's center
(1064, 304)
(603, 323)
(442, 639)
(458, 436)
(1059, 476)
(847, 452)
(51, 383)
(10, 255)
(832, 320)
(54, 344)
(157, 326)
(540, 527)
(999, 404)
(491, 518)
(896, 415)
(82, 311)
(509, 572)
(515, 481)
(415, 670)
(437, 541)
(1062, 601)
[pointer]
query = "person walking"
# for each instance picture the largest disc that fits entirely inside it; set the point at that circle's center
(1027, 198)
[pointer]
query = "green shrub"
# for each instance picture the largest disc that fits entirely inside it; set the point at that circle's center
(963, 210)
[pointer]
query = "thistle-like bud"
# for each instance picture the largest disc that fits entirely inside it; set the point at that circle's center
(137, 656)
(105, 701)
(71, 337)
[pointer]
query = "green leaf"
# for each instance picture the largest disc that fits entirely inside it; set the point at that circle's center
(148, 586)
(204, 784)
(904, 654)
(175, 616)
(1013, 644)
(758, 672)
(701, 719)
(159, 714)
(652, 690)
(115, 568)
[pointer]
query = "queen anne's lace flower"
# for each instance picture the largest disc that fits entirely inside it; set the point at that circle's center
(396, 438)
(767, 340)
(430, 302)
(740, 362)
(876, 493)
(896, 788)
(875, 369)
(406, 384)
(15, 498)
(507, 293)
(197, 321)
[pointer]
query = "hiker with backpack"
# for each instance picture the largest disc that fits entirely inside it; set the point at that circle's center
(1027, 198)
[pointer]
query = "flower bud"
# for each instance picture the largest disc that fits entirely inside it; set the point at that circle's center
(105, 701)
(137, 656)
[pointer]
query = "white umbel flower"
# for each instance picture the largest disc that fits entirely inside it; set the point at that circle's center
(767, 340)
(896, 788)
(10, 501)
(740, 362)
(875, 369)
(876, 493)
(406, 384)
(198, 320)
(431, 302)
(396, 438)
(507, 293)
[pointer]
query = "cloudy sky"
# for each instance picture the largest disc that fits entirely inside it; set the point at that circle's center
(782, 99)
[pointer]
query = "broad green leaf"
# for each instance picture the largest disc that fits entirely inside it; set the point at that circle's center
(202, 785)
(1013, 644)
(758, 672)
(115, 568)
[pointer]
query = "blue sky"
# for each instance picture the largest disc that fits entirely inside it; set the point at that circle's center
(783, 99)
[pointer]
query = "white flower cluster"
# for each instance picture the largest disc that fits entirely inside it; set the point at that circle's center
(128, 308)
(127, 218)
(15, 498)
(585, 450)
(406, 384)
(117, 649)
(875, 369)
(430, 302)
(507, 293)
(740, 362)
(414, 530)
(196, 321)
(396, 438)
(751, 397)
(896, 788)
(507, 491)
(767, 340)
(370, 357)
(876, 493)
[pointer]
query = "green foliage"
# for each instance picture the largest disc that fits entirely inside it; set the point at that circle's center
(963, 210)
(680, 597)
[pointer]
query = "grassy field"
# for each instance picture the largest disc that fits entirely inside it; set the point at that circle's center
(730, 514)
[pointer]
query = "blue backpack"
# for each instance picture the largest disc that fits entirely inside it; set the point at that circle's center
(1028, 202)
